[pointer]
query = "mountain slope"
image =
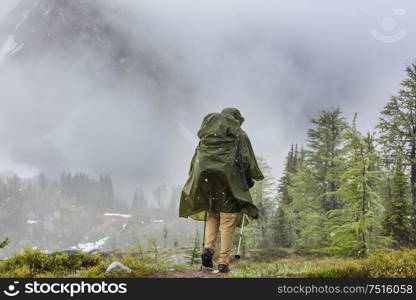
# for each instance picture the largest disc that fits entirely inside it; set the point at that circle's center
(80, 32)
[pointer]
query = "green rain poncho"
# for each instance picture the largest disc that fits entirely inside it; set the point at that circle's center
(221, 167)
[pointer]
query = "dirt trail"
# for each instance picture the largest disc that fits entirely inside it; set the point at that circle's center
(187, 274)
(202, 274)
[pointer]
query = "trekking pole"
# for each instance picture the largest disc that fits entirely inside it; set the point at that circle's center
(205, 224)
(203, 236)
(237, 256)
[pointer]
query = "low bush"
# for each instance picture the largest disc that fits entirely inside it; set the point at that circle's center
(349, 269)
(139, 269)
(4, 243)
(266, 255)
(31, 263)
(393, 264)
(257, 270)
(34, 263)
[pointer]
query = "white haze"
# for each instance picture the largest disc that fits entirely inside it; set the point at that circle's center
(279, 62)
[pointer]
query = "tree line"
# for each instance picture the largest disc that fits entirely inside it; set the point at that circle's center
(347, 192)
(57, 213)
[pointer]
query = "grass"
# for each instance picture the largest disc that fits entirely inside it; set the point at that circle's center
(393, 264)
(33, 263)
(286, 267)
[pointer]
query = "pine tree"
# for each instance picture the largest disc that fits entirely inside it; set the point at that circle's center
(397, 223)
(283, 219)
(195, 251)
(42, 181)
(138, 201)
(325, 142)
(286, 179)
(397, 128)
(137, 249)
(283, 224)
(153, 247)
(135, 201)
(175, 241)
(264, 197)
(355, 229)
(160, 195)
(108, 190)
(309, 217)
(174, 198)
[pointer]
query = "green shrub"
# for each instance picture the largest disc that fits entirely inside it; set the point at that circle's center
(308, 252)
(93, 272)
(266, 255)
(139, 268)
(257, 270)
(32, 263)
(4, 243)
(36, 264)
(393, 264)
(351, 269)
(22, 272)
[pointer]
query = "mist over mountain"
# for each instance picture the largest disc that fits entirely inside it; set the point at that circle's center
(87, 95)
(81, 33)
(120, 87)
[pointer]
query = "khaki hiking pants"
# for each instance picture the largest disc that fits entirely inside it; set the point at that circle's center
(225, 223)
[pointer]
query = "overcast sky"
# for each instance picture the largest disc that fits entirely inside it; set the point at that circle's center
(279, 62)
(6, 6)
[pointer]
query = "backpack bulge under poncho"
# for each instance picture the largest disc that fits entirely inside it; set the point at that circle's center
(223, 159)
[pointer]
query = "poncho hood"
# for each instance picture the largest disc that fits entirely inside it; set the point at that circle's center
(235, 113)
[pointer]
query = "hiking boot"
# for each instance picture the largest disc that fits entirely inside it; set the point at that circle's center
(207, 258)
(223, 268)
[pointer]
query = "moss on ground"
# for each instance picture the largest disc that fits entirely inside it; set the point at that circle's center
(33, 263)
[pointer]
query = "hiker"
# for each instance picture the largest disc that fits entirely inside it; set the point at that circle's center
(217, 190)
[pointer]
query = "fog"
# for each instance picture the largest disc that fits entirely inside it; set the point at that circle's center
(279, 62)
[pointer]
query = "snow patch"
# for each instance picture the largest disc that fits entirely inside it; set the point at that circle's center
(158, 221)
(87, 247)
(25, 14)
(117, 215)
(16, 49)
(9, 47)
(32, 222)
